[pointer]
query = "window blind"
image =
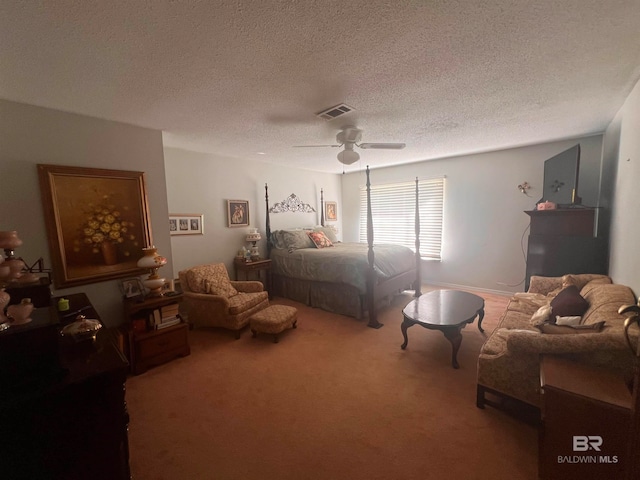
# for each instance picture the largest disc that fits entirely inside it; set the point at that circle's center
(393, 214)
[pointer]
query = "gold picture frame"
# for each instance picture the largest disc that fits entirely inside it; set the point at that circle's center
(97, 222)
(331, 211)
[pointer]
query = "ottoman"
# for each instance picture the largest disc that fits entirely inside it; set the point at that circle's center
(274, 319)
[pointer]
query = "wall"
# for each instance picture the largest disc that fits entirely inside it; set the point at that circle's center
(32, 135)
(485, 229)
(622, 149)
(202, 183)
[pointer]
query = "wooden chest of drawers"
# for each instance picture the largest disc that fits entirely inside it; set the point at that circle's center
(159, 346)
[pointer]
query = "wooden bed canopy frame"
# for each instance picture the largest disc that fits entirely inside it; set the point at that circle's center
(376, 290)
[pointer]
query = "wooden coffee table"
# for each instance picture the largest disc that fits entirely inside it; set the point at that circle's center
(446, 310)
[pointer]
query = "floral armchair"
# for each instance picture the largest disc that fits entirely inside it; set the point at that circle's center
(211, 299)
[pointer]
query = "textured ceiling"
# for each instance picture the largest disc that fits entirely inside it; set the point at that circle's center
(237, 78)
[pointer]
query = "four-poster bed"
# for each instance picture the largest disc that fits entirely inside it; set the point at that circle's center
(349, 278)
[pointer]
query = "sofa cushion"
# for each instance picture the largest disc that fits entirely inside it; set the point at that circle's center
(604, 301)
(244, 301)
(551, 328)
(569, 302)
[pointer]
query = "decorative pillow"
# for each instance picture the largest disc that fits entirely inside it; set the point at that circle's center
(218, 283)
(328, 232)
(569, 303)
(295, 239)
(571, 329)
(320, 240)
(542, 315)
(574, 320)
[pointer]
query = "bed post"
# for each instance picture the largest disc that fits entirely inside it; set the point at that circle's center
(321, 207)
(268, 221)
(418, 283)
(371, 275)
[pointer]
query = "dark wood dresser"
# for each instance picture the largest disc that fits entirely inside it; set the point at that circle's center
(65, 416)
(563, 241)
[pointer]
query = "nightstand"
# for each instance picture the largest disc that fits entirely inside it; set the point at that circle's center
(148, 345)
(586, 412)
(253, 271)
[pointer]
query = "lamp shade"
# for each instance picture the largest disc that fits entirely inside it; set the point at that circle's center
(253, 237)
(151, 258)
(9, 240)
(153, 261)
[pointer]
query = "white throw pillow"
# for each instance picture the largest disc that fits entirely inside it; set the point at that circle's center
(574, 320)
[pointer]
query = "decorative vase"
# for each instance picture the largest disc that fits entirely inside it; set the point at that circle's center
(20, 313)
(109, 254)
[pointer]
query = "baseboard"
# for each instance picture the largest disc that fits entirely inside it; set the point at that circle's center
(467, 287)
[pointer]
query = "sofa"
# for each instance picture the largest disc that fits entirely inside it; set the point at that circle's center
(211, 299)
(509, 360)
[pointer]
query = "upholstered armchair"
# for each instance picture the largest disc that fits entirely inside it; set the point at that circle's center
(211, 299)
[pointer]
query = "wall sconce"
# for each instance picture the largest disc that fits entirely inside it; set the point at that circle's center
(523, 187)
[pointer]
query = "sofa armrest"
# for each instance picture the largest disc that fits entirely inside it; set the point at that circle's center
(250, 286)
(544, 285)
(199, 306)
(545, 343)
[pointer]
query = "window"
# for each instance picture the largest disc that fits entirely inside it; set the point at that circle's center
(393, 214)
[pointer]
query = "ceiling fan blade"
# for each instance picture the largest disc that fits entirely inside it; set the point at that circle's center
(305, 146)
(387, 146)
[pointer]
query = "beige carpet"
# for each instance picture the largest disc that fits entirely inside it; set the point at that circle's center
(333, 400)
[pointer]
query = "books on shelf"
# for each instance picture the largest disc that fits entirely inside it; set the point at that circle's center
(164, 316)
(168, 322)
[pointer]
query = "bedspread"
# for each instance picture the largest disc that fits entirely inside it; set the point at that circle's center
(343, 263)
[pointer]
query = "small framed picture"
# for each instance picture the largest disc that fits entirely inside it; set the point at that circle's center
(131, 287)
(168, 287)
(238, 213)
(186, 224)
(331, 211)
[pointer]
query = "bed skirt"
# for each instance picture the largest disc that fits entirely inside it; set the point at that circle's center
(331, 297)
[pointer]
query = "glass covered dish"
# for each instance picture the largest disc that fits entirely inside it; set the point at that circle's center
(82, 329)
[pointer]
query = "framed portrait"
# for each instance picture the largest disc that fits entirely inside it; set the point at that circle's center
(186, 224)
(238, 213)
(97, 222)
(131, 287)
(331, 211)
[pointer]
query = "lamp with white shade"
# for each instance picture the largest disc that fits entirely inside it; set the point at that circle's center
(153, 261)
(253, 237)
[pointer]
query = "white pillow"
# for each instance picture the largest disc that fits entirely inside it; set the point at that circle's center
(574, 320)
(542, 315)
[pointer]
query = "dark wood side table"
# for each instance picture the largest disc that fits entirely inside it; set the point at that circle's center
(586, 412)
(147, 347)
(253, 270)
(68, 421)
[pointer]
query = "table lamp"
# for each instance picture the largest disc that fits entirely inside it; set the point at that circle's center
(153, 261)
(253, 237)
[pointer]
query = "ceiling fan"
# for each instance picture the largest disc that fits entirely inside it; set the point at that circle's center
(349, 137)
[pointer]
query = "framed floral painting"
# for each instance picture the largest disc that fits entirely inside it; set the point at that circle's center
(97, 222)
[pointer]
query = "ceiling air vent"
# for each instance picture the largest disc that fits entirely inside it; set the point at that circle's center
(335, 112)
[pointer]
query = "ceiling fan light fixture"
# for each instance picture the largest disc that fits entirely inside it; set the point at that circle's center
(348, 156)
